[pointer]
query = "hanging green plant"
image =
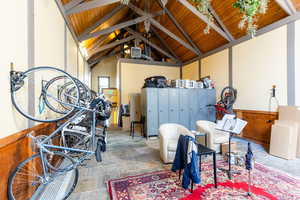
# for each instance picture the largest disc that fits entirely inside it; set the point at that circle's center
(126, 2)
(203, 7)
(250, 8)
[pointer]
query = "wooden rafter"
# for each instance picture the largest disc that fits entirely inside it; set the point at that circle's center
(72, 4)
(87, 31)
(164, 43)
(162, 28)
(119, 26)
(203, 18)
(90, 5)
(216, 16)
(178, 26)
(110, 45)
(287, 6)
(139, 36)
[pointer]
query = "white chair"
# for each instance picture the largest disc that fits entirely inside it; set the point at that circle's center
(168, 135)
(214, 137)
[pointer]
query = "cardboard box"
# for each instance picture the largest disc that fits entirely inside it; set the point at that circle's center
(283, 142)
(225, 147)
(291, 113)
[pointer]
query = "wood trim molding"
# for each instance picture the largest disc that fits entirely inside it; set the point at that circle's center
(16, 148)
(259, 125)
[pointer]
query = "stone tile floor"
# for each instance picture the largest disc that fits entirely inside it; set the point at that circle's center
(126, 156)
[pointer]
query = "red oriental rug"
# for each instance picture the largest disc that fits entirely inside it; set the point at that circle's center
(165, 185)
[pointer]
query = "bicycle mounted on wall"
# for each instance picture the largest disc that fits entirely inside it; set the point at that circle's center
(66, 99)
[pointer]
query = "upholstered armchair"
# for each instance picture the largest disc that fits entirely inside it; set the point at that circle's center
(168, 136)
(214, 137)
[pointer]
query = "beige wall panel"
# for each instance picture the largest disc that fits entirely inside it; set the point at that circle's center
(71, 55)
(191, 71)
(133, 75)
(297, 62)
(257, 65)
(13, 17)
(49, 34)
(107, 67)
(217, 67)
(80, 67)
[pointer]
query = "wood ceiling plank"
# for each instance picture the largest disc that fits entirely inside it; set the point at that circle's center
(162, 28)
(100, 21)
(139, 36)
(203, 18)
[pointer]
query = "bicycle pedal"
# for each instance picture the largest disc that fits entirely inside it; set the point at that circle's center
(83, 165)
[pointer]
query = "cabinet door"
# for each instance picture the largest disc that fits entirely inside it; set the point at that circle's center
(152, 112)
(193, 107)
(173, 105)
(211, 101)
(163, 109)
(184, 108)
(202, 110)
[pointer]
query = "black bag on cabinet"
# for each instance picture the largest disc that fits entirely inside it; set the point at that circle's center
(155, 82)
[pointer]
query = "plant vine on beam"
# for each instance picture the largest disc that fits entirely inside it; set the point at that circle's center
(249, 9)
(203, 7)
(125, 2)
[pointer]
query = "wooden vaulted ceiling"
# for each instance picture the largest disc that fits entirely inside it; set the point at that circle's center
(189, 22)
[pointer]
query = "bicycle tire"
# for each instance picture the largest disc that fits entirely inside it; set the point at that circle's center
(12, 196)
(19, 109)
(47, 102)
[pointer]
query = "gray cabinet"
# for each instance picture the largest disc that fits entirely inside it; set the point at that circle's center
(150, 110)
(173, 105)
(184, 107)
(163, 109)
(176, 105)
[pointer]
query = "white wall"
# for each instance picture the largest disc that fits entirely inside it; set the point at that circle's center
(133, 75)
(257, 65)
(49, 34)
(49, 40)
(191, 71)
(13, 19)
(297, 62)
(216, 66)
(107, 67)
(71, 55)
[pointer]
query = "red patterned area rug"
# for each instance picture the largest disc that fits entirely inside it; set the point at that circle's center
(165, 185)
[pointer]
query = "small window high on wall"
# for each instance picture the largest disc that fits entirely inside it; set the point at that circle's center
(103, 82)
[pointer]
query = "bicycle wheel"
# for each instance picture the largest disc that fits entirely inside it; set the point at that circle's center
(27, 181)
(30, 85)
(76, 141)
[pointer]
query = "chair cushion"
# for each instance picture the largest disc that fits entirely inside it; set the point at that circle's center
(172, 145)
(221, 137)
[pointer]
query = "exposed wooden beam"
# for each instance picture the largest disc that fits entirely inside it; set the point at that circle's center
(119, 26)
(287, 6)
(291, 6)
(162, 28)
(145, 62)
(115, 27)
(72, 4)
(216, 16)
(178, 26)
(113, 53)
(110, 45)
(164, 43)
(90, 5)
(101, 21)
(203, 18)
(139, 36)
(261, 31)
(67, 21)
